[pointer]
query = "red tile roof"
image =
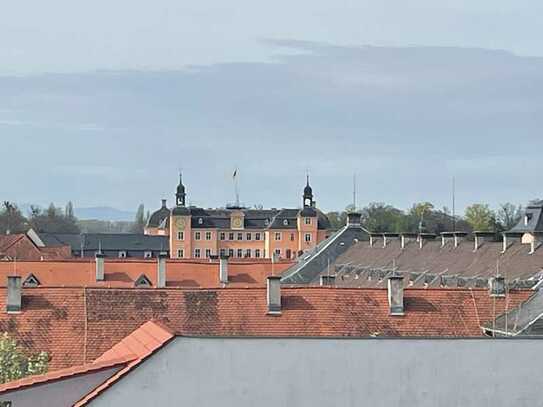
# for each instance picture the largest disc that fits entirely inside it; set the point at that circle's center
(123, 273)
(140, 344)
(21, 247)
(127, 354)
(76, 326)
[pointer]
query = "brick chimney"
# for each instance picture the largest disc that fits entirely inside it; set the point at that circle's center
(100, 267)
(395, 295)
(274, 295)
(14, 301)
(161, 270)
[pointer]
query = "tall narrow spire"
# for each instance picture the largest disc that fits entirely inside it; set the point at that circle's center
(308, 194)
(180, 196)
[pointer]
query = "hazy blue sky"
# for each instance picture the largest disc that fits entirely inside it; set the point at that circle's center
(101, 102)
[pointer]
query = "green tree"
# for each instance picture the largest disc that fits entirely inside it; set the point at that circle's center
(379, 217)
(53, 220)
(508, 215)
(11, 219)
(15, 364)
(69, 211)
(140, 221)
(480, 217)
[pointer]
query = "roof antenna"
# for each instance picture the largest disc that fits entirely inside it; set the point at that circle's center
(454, 204)
(236, 186)
(354, 191)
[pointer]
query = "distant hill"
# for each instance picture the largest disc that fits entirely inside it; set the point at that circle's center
(104, 213)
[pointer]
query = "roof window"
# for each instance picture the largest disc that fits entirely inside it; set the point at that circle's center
(143, 282)
(31, 281)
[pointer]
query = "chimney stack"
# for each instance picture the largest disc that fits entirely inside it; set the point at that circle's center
(328, 280)
(353, 219)
(164, 203)
(497, 286)
(99, 267)
(161, 270)
(14, 294)
(274, 295)
(395, 295)
(223, 269)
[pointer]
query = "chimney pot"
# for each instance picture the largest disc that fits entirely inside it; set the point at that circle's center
(14, 294)
(497, 286)
(223, 269)
(395, 295)
(328, 280)
(161, 270)
(274, 295)
(164, 201)
(100, 267)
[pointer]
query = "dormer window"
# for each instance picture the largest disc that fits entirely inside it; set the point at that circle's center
(143, 282)
(200, 221)
(31, 281)
(122, 254)
(527, 219)
(285, 222)
(147, 255)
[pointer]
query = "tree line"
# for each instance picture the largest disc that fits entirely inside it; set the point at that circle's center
(424, 217)
(62, 220)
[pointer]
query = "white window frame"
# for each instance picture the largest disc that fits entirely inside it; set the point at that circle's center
(180, 253)
(197, 235)
(257, 236)
(308, 221)
(248, 236)
(147, 254)
(247, 253)
(231, 235)
(239, 253)
(257, 253)
(222, 236)
(307, 237)
(122, 254)
(208, 253)
(278, 236)
(197, 253)
(209, 235)
(277, 252)
(231, 252)
(223, 252)
(240, 236)
(181, 235)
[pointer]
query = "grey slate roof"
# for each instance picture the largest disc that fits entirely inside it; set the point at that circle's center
(534, 214)
(254, 218)
(107, 241)
(525, 320)
(311, 264)
(159, 218)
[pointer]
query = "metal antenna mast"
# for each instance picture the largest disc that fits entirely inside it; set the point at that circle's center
(454, 204)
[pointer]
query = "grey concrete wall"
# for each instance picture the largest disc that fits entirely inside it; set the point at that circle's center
(335, 372)
(62, 393)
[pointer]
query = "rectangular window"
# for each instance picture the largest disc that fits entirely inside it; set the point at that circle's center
(208, 253)
(240, 253)
(240, 236)
(197, 253)
(222, 236)
(308, 221)
(180, 235)
(248, 236)
(277, 235)
(231, 236)
(148, 255)
(122, 254)
(208, 235)
(231, 252)
(248, 253)
(257, 253)
(180, 254)
(197, 236)
(223, 252)
(278, 252)
(257, 236)
(308, 237)
(292, 237)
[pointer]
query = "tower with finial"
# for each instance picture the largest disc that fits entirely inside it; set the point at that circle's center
(180, 196)
(308, 194)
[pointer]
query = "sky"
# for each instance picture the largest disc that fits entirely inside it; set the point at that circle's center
(103, 102)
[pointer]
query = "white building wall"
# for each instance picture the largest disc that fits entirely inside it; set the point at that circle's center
(335, 372)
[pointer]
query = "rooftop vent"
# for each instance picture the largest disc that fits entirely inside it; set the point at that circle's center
(161, 270)
(99, 267)
(328, 280)
(395, 295)
(274, 295)
(497, 286)
(14, 294)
